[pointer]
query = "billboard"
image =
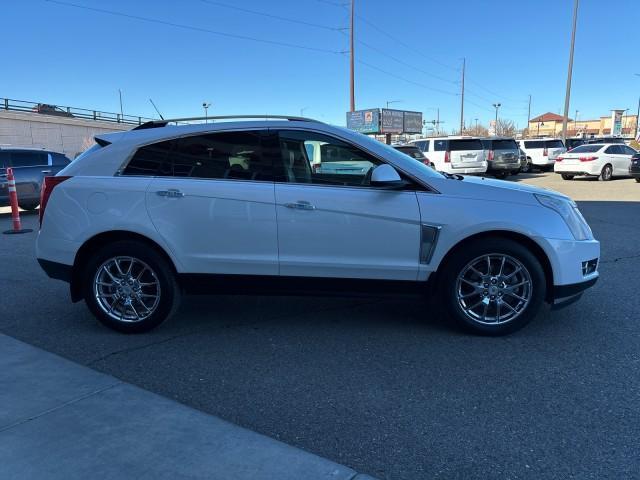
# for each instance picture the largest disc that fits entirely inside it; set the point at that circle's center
(616, 122)
(412, 122)
(392, 121)
(364, 121)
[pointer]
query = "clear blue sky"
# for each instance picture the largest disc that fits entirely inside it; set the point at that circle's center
(65, 55)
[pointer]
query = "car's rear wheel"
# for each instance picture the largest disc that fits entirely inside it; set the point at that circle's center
(606, 173)
(493, 287)
(566, 176)
(638, 180)
(130, 287)
(526, 167)
(29, 206)
(501, 175)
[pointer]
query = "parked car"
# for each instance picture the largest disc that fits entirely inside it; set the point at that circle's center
(414, 152)
(225, 207)
(604, 140)
(30, 166)
(525, 166)
(574, 142)
(634, 167)
(542, 153)
(503, 156)
(602, 160)
(463, 155)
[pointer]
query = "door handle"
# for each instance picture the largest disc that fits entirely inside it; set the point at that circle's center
(172, 193)
(45, 171)
(300, 205)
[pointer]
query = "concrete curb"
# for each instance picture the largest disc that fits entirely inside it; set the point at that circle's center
(60, 420)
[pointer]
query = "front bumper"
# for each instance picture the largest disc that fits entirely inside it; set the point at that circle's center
(564, 295)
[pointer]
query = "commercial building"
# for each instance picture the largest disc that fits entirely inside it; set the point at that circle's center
(550, 124)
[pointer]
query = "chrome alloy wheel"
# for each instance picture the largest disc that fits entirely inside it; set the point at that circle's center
(494, 289)
(126, 289)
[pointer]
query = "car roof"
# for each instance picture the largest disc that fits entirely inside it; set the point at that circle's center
(26, 149)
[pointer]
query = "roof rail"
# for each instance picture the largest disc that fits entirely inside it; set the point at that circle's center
(165, 122)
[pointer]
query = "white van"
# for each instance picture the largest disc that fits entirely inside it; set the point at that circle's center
(454, 154)
(542, 152)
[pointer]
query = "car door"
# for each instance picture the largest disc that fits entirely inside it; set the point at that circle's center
(614, 157)
(332, 222)
(212, 202)
(627, 153)
(29, 169)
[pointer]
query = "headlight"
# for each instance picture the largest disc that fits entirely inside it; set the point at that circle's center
(568, 210)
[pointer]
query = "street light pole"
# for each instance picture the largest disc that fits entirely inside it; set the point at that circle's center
(352, 74)
(567, 96)
(464, 63)
(476, 125)
(302, 111)
(575, 123)
(496, 106)
(206, 106)
(529, 115)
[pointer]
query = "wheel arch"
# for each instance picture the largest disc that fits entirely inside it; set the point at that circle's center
(99, 240)
(524, 240)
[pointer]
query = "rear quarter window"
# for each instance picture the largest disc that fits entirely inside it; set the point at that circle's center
(149, 160)
(59, 159)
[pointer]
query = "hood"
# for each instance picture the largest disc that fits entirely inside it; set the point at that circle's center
(492, 189)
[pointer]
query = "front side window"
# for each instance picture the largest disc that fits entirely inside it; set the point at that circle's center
(29, 159)
(628, 150)
(309, 157)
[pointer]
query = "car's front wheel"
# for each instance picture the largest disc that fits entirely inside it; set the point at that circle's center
(638, 180)
(494, 286)
(130, 287)
(566, 176)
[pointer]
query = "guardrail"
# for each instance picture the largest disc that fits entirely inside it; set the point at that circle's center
(70, 112)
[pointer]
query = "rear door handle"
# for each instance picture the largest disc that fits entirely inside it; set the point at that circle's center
(172, 192)
(300, 205)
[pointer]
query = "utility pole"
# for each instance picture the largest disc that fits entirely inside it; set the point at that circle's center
(121, 114)
(496, 106)
(570, 71)
(351, 83)
(438, 119)
(476, 132)
(528, 115)
(575, 122)
(464, 61)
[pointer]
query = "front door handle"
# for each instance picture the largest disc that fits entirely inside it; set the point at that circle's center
(45, 171)
(300, 205)
(172, 192)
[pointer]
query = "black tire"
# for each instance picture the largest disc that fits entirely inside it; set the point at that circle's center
(163, 275)
(606, 174)
(638, 180)
(457, 262)
(501, 175)
(28, 206)
(526, 168)
(567, 176)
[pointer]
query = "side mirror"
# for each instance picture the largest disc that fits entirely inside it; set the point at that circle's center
(386, 176)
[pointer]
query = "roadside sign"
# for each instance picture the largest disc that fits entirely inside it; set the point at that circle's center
(392, 121)
(412, 122)
(364, 121)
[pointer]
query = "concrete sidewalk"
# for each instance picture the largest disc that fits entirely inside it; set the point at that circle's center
(59, 420)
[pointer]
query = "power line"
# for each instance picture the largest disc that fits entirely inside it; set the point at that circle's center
(406, 79)
(194, 28)
(269, 15)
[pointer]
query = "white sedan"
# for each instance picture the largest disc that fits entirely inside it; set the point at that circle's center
(295, 206)
(602, 160)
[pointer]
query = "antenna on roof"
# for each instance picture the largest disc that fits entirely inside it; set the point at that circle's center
(154, 106)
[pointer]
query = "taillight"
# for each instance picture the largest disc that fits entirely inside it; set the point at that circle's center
(447, 157)
(48, 185)
(587, 159)
(559, 159)
(426, 162)
(490, 156)
(545, 152)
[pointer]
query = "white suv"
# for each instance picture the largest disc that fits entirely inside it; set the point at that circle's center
(454, 154)
(298, 206)
(542, 153)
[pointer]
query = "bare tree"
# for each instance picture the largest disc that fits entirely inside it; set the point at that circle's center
(505, 128)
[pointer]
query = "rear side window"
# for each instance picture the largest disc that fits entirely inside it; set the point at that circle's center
(59, 159)
(613, 150)
(505, 145)
(224, 155)
(422, 145)
(439, 145)
(465, 144)
(554, 144)
(150, 160)
(29, 159)
(586, 149)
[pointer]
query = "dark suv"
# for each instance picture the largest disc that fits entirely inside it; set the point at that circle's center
(30, 166)
(503, 156)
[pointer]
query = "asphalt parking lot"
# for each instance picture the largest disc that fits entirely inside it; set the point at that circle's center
(382, 385)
